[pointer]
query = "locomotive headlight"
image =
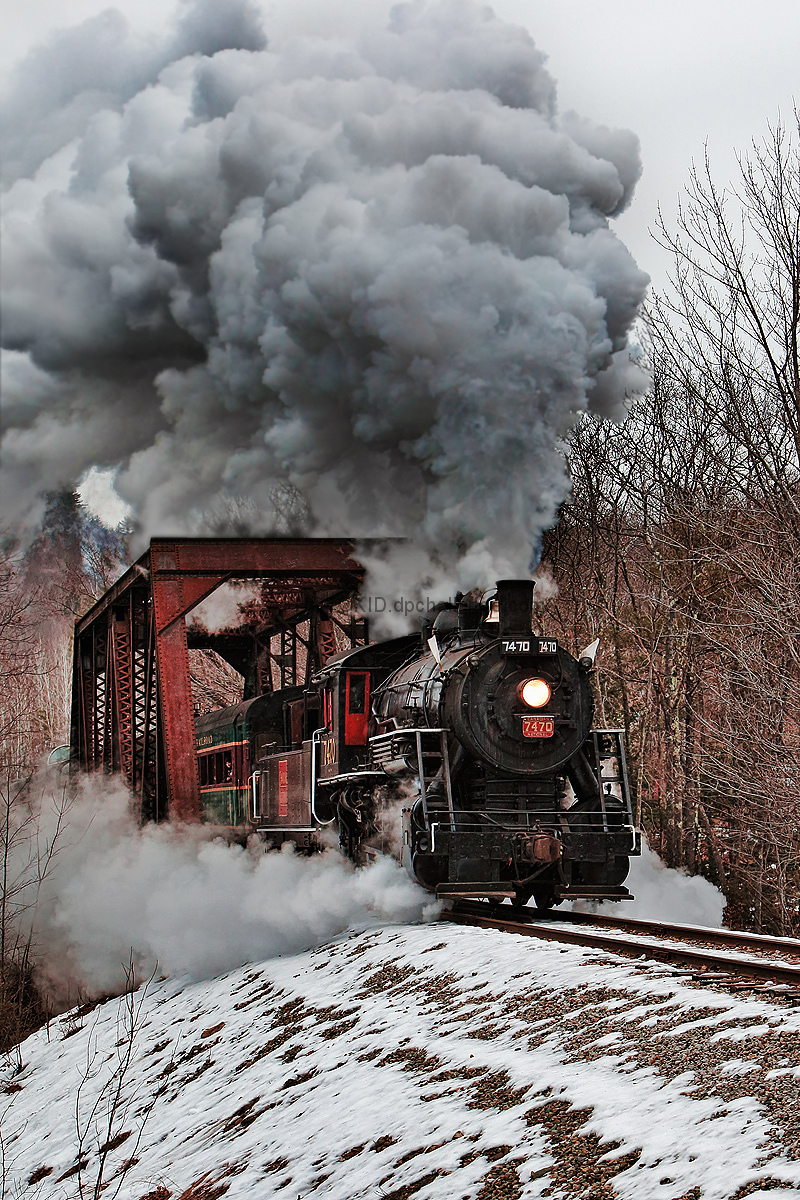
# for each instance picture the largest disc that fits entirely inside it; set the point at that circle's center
(535, 693)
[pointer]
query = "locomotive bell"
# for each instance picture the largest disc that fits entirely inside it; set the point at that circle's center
(515, 605)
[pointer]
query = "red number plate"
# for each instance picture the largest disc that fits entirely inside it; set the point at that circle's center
(537, 727)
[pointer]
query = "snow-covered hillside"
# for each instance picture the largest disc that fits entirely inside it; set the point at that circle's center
(427, 1061)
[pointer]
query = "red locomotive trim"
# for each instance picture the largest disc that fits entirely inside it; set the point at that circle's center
(283, 788)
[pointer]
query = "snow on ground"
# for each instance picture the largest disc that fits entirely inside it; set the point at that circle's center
(430, 1061)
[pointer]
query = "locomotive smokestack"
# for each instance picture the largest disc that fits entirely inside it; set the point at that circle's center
(515, 605)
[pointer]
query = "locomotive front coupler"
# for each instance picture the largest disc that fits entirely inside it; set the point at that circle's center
(533, 853)
(536, 846)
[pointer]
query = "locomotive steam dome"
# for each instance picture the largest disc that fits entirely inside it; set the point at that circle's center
(515, 701)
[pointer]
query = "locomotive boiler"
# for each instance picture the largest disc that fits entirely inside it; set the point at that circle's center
(473, 741)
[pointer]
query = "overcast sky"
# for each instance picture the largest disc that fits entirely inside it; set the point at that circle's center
(677, 73)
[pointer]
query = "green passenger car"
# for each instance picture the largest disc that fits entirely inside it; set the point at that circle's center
(227, 746)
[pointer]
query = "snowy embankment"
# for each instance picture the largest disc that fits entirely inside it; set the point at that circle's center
(427, 1061)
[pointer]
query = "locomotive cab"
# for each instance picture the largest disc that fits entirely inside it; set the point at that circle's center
(320, 774)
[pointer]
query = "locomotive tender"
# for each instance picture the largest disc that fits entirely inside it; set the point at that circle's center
(479, 733)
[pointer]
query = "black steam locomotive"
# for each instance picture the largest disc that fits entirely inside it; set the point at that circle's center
(476, 739)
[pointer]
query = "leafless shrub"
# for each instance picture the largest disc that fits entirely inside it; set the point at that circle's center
(112, 1117)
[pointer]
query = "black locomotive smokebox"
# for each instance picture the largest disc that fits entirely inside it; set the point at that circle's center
(515, 605)
(482, 707)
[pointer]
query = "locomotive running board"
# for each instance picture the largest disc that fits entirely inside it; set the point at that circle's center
(589, 892)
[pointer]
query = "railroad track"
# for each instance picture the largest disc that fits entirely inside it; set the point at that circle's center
(743, 955)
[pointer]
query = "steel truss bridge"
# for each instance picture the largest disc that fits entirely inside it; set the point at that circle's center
(132, 706)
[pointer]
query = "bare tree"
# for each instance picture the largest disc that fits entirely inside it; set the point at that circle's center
(40, 591)
(680, 543)
(728, 326)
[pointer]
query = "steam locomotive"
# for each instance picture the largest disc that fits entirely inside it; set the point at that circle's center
(475, 739)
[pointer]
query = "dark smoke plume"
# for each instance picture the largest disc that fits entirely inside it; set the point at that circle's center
(374, 272)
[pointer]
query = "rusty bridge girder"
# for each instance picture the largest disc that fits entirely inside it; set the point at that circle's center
(132, 709)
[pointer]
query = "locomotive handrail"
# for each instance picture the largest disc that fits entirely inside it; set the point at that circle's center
(423, 791)
(315, 736)
(418, 732)
(620, 778)
(392, 733)
(347, 775)
(448, 783)
(480, 816)
(286, 829)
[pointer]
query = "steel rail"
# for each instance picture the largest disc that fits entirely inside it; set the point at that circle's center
(733, 938)
(718, 937)
(696, 957)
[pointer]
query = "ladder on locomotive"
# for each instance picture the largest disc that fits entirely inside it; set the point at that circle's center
(432, 759)
(604, 757)
(436, 801)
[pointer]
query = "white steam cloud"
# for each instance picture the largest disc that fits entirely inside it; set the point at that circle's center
(173, 899)
(662, 893)
(375, 269)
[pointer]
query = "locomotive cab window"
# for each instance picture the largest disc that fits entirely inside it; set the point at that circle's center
(356, 708)
(356, 694)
